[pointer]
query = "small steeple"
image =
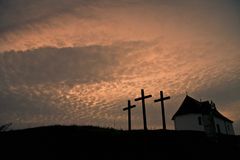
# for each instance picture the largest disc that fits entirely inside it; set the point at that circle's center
(213, 106)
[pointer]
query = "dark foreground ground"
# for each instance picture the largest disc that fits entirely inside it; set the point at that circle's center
(74, 142)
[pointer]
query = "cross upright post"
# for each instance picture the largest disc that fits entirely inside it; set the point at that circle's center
(162, 99)
(129, 107)
(142, 98)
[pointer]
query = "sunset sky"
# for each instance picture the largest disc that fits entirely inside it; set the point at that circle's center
(79, 61)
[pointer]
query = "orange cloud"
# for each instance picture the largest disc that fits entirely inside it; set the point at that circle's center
(83, 60)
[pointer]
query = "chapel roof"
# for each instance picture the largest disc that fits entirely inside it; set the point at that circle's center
(192, 106)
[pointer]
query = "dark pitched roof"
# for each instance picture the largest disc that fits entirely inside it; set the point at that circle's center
(191, 105)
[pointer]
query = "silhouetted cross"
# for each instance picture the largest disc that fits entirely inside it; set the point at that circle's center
(162, 99)
(129, 107)
(142, 98)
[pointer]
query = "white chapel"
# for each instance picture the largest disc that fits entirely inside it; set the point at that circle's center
(201, 116)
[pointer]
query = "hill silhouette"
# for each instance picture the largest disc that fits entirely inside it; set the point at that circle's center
(89, 142)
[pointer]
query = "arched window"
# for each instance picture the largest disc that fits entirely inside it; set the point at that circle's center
(218, 128)
(200, 121)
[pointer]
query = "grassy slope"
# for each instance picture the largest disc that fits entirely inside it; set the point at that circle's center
(95, 142)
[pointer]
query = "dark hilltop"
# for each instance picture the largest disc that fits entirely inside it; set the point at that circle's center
(89, 142)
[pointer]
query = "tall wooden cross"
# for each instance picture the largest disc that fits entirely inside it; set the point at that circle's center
(142, 98)
(129, 107)
(162, 99)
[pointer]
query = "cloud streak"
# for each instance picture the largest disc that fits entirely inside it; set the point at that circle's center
(72, 23)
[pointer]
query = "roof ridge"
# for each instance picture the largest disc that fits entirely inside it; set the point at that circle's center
(191, 105)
